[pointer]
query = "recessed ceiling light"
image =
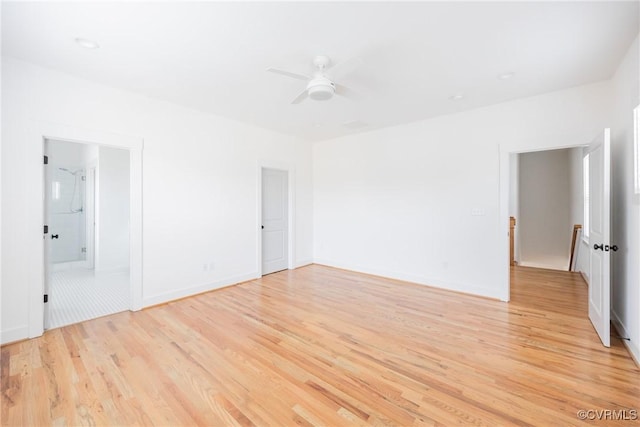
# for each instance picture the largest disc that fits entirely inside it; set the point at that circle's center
(456, 97)
(506, 76)
(87, 44)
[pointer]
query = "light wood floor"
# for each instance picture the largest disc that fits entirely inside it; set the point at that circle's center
(320, 346)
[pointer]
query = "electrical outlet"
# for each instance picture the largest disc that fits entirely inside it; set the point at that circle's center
(477, 212)
(212, 266)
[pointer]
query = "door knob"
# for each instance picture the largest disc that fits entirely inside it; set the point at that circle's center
(54, 236)
(262, 227)
(600, 246)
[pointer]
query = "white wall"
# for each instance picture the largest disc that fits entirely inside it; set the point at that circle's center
(625, 208)
(398, 201)
(545, 209)
(112, 234)
(200, 188)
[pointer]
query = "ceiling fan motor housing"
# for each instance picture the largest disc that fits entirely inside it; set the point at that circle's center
(321, 88)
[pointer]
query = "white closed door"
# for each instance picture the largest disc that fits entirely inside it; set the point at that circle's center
(274, 221)
(599, 234)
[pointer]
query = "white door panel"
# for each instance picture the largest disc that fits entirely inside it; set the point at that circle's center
(595, 292)
(599, 254)
(274, 246)
(274, 220)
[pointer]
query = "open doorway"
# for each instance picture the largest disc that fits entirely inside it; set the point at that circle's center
(595, 201)
(547, 199)
(87, 193)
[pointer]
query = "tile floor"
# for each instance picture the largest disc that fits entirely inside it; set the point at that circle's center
(81, 294)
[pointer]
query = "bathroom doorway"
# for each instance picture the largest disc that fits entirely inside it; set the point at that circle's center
(87, 243)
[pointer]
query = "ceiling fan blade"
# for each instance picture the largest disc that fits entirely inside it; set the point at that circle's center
(288, 74)
(346, 92)
(303, 95)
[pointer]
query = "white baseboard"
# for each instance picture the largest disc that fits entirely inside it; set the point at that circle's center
(542, 265)
(426, 281)
(584, 277)
(302, 263)
(198, 289)
(631, 346)
(14, 334)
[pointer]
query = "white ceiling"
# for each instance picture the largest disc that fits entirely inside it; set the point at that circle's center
(412, 56)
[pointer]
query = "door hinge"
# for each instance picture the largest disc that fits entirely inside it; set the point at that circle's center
(46, 160)
(46, 229)
(46, 298)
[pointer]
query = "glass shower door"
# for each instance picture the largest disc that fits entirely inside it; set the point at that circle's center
(68, 217)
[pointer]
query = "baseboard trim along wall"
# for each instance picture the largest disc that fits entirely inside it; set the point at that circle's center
(206, 287)
(584, 277)
(15, 334)
(303, 263)
(198, 289)
(632, 347)
(455, 287)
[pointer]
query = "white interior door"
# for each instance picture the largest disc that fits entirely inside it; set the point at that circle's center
(274, 220)
(599, 203)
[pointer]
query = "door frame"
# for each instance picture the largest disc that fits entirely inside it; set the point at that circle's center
(505, 150)
(290, 170)
(46, 241)
(39, 133)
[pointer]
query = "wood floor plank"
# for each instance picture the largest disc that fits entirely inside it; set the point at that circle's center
(319, 346)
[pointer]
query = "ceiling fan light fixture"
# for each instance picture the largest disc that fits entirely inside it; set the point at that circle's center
(320, 93)
(319, 86)
(321, 89)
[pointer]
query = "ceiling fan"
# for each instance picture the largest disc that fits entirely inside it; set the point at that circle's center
(319, 86)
